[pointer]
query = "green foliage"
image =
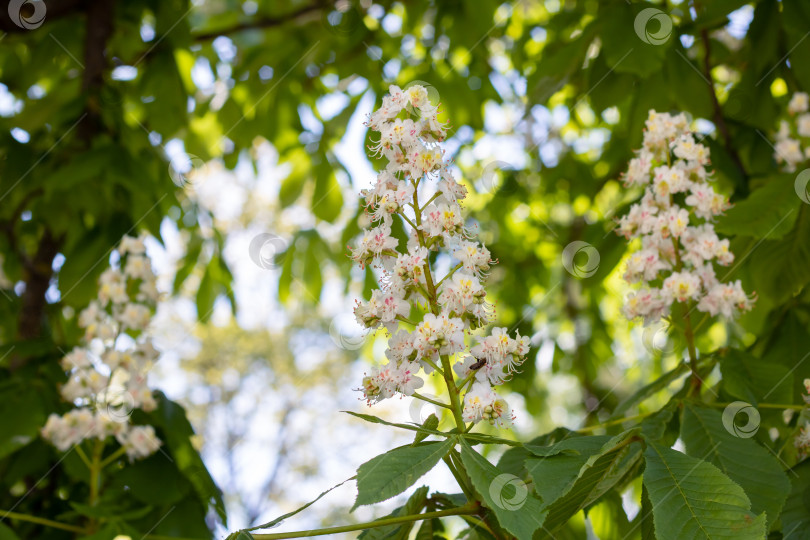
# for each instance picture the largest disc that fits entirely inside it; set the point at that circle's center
(744, 461)
(395, 471)
(691, 498)
(518, 512)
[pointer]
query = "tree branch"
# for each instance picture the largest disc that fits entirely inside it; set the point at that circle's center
(262, 23)
(719, 120)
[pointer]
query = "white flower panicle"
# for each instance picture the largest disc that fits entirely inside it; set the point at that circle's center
(674, 224)
(107, 376)
(437, 314)
(793, 138)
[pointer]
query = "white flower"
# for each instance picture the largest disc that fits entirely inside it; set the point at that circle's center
(798, 103)
(135, 316)
(681, 286)
(482, 403)
(374, 242)
(725, 299)
(140, 442)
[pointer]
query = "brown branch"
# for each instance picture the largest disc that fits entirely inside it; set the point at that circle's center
(719, 120)
(98, 29)
(259, 24)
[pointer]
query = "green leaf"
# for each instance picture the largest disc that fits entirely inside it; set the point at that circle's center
(23, 414)
(391, 473)
(747, 463)
(278, 520)
(779, 267)
(327, 198)
(569, 484)
(7, 534)
(177, 433)
(154, 480)
(768, 212)
(648, 390)
(796, 512)
(206, 295)
(753, 379)
(518, 511)
(431, 423)
(293, 184)
(624, 49)
(694, 499)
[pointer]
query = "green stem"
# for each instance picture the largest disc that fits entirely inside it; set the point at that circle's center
(689, 335)
(82, 455)
(42, 521)
(425, 398)
(462, 510)
(112, 457)
(95, 472)
(449, 274)
(459, 479)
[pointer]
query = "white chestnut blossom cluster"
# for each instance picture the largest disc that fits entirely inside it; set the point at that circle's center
(674, 224)
(107, 376)
(793, 138)
(428, 317)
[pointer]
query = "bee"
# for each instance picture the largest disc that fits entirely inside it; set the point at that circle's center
(481, 362)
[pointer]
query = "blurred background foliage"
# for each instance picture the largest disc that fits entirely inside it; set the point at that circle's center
(207, 123)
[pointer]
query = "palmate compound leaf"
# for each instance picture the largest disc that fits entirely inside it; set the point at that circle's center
(691, 498)
(747, 463)
(391, 473)
(570, 482)
(514, 505)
